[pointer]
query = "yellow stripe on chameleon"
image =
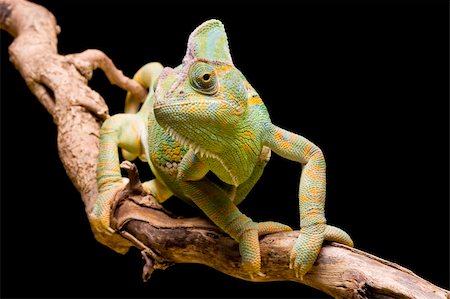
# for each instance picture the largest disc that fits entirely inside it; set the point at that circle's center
(307, 150)
(223, 68)
(311, 214)
(105, 165)
(193, 109)
(315, 198)
(315, 191)
(286, 144)
(311, 245)
(317, 168)
(166, 148)
(248, 134)
(310, 173)
(247, 148)
(222, 105)
(255, 101)
(236, 112)
(176, 150)
(278, 136)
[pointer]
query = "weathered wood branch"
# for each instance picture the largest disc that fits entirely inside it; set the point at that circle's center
(60, 84)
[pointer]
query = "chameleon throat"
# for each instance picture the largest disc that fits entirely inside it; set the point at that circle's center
(199, 150)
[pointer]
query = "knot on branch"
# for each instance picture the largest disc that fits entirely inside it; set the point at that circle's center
(134, 192)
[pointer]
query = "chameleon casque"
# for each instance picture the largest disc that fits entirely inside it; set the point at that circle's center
(207, 137)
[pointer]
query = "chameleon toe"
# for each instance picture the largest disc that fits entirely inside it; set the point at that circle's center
(271, 227)
(305, 252)
(250, 252)
(335, 234)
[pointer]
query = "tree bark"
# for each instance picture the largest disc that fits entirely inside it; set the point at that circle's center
(60, 84)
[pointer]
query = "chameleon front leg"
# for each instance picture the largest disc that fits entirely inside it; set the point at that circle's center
(216, 204)
(311, 198)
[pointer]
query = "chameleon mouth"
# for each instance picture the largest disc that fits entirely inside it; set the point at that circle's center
(182, 103)
(197, 149)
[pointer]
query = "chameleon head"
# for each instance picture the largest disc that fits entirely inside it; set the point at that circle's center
(202, 101)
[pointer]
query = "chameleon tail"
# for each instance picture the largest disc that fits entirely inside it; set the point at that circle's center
(147, 76)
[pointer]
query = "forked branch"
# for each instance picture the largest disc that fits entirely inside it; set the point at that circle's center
(60, 84)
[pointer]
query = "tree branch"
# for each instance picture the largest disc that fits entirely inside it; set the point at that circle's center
(60, 84)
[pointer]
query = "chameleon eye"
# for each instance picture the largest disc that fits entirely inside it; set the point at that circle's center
(203, 78)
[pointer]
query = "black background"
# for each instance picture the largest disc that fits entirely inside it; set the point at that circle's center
(366, 81)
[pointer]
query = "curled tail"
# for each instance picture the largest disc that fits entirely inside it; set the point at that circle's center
(147, 76)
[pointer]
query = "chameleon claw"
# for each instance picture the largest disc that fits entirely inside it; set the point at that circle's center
(252, 274)
(297, 267)
(292, 261)
(298, 271)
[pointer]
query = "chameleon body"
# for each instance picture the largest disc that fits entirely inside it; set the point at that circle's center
(207, 137)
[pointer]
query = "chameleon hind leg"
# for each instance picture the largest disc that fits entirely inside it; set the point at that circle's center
(124, 131)
(120, 130)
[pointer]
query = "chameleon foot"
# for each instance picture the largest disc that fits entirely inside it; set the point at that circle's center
(250, 252)
(100, 217)
(306, 249)
(307, 246)
(249, 244)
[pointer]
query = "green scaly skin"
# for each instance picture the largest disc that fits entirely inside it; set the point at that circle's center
(204, 119)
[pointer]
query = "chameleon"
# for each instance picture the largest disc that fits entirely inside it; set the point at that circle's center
(207, 137)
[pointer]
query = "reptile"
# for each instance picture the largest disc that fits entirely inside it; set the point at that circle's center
(207, 136)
